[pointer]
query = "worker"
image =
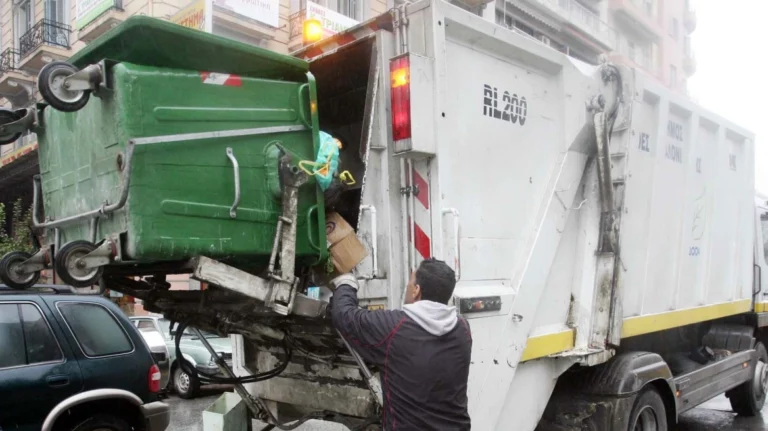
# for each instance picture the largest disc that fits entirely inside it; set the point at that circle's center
(423, 351)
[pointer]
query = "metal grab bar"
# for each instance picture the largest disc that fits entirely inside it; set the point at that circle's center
(105, 209)
(236, 168)
(456, 240)
(375, 242)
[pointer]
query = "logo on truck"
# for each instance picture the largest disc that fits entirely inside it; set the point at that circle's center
(514, 108)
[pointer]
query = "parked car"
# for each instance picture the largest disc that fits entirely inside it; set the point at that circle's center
(74, 363)
(185, 385)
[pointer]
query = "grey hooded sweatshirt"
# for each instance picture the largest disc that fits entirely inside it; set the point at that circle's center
(423, 354)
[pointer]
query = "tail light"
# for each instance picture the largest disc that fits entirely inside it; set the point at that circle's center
(400, 74)
(154, 379)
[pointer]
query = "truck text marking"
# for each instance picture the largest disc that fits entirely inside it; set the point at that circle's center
(515, 107)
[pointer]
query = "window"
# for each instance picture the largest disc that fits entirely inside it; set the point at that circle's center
(673, 31)
(41, 346)
(672, 76)
(26, 337)
(55, 10)
(95, 329)
(11, 337)
(24, 16)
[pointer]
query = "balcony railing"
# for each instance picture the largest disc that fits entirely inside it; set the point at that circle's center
(295, 23)
(45, 32)
(9, 60)
(582, 18)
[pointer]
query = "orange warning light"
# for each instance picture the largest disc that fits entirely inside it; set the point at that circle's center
(400, 77)
(313, 30)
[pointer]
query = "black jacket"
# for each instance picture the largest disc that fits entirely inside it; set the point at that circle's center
(424, 376)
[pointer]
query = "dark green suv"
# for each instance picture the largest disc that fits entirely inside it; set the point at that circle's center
(74, 363)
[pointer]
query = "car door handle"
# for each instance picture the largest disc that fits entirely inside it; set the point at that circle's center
(57, 381)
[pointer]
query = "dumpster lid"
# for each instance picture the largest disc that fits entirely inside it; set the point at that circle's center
(153, 42)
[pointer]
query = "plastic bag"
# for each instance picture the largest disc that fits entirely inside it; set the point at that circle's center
(326, 164)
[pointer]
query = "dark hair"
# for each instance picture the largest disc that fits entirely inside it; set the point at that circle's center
(436, 280)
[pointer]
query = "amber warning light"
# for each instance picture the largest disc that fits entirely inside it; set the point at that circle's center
(400, 74)
(313, 30)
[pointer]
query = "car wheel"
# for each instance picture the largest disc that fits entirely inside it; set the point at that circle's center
(102, 422)
(185, 385)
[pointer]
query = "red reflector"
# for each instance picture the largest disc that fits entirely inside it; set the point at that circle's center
(400, 74)
(154, 379)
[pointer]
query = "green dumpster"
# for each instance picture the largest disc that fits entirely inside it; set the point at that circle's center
(191, 127)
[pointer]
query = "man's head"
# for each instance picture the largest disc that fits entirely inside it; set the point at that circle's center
(432, 281)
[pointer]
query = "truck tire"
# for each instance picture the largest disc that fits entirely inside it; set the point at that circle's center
(103, 422)
(748, 398)
(648, 412)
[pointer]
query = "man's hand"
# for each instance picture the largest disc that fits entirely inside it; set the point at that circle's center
(344, 280)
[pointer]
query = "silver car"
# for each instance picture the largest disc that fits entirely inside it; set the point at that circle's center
(193, 350)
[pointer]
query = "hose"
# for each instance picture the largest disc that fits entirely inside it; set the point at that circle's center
(190, 369)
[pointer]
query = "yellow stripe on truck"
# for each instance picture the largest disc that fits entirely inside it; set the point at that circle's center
(672, 319)
(540, 346)
(761, 307)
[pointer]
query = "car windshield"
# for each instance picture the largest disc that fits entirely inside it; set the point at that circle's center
(165, 325)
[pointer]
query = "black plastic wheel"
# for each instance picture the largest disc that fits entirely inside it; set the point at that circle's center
(69, 267)
(50, 82)
(9, 271)
(8, 116)
(748, 398)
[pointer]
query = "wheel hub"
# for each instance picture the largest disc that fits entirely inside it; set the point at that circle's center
(59, 86)
(16, 271)
(182, 381)
(760, 380)
(77, 266)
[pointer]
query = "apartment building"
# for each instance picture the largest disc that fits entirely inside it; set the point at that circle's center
(653, 35)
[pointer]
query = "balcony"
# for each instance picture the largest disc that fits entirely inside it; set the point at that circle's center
(15, 85)
(690, 20)
(639, 16)
(107, 20)
(45, 42)
(581, 19)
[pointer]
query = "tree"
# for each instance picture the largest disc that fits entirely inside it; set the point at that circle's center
(21, 221)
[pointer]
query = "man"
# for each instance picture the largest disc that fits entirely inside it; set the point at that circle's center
(423, 351)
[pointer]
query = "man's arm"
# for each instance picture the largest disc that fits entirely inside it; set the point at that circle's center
(367, 331)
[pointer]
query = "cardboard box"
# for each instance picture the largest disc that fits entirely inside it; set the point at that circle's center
(346, 250)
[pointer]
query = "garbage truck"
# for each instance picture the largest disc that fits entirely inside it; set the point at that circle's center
(605, 233)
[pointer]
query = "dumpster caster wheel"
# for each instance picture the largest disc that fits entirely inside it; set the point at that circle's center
(50, 82)
(8, 116)
(10, 271)
(72, 269)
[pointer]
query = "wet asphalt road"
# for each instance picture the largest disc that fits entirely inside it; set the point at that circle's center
(186, 415)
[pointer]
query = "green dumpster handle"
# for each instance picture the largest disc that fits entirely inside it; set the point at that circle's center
(302, 108)
(312, 242)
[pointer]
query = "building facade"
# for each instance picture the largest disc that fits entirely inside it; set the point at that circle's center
(653, 35)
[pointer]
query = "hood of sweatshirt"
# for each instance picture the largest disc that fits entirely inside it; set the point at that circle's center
(436, 318)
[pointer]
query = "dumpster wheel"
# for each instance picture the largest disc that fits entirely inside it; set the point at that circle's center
(51, 84)
(10, 274)
(71, 266)
(8, 116)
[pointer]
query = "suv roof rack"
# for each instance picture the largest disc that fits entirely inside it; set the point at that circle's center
(40, 288)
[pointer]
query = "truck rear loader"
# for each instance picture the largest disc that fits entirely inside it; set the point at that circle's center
(605, 233)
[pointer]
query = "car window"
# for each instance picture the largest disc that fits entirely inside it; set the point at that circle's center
(145, 325)
(11, 337)
(41, 345)
(95, 329)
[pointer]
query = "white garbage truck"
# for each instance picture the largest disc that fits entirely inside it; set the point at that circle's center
(604, 231)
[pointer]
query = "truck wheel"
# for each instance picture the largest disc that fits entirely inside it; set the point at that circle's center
(71, 270)
(8, 116)
(50, 82)
(9, 265)
(748, 398)
(185, 385)
(648, 412)
(103, 422)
